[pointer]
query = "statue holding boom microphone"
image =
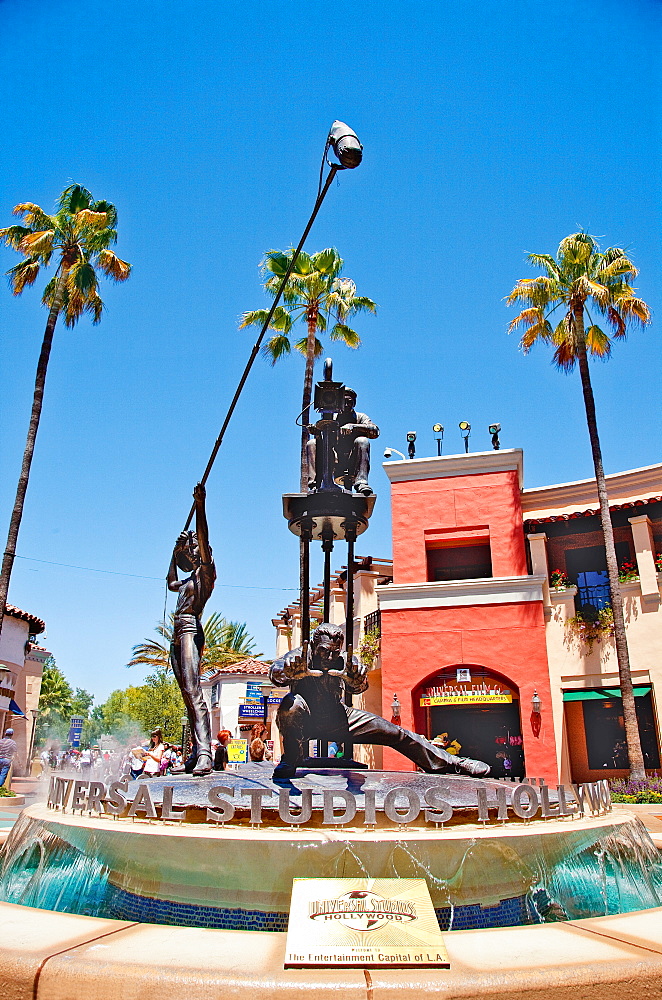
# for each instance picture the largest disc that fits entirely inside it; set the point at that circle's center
(192, 554)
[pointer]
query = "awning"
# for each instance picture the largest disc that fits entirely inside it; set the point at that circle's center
(602, 694)
(15, 710)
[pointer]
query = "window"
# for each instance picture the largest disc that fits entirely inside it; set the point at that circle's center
(463, 562)
(587, 568)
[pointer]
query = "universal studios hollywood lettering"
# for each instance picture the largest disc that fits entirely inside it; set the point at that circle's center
(401, 805)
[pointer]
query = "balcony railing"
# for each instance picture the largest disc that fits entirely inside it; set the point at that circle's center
(372, 621)
(598, 596)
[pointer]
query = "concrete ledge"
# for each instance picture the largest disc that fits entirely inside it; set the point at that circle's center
(57, 956)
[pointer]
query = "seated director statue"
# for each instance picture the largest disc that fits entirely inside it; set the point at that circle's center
(314, 709)
(351, 452)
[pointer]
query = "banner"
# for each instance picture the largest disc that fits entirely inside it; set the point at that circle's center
(237, 751)
(470, 698)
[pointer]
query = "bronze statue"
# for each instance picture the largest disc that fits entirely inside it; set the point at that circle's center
(352, 448)
(314, 709)
(192, 554)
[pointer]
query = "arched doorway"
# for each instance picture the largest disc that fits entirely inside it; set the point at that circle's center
(476, 713)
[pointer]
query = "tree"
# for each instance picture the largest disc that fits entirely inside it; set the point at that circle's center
(80, 234)
(55, 703)
(317, 295)
(582, 279)
(225, 643)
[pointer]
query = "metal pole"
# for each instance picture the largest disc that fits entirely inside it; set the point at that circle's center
(350, 534)
(305, 586)
(235, 399)
(327, 548)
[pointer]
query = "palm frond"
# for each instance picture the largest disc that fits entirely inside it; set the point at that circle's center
(632, 308)
(302, 347)
(537, 331)
(113, 266)
(597, 342)
(545, 261)
(528, 317)
(617, 322)
(34, 215)
(87, 219)
(328, 262)
(276, 348)
(345, 333)
(361, 303)
(615, 268)
(14, 235)
(37, 244)
(74, 198)
(23, 274)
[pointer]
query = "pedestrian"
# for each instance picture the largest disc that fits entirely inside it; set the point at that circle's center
(153, 754)
(8, 750)
(221, 754)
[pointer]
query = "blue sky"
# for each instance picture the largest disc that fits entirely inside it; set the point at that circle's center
(490, 130)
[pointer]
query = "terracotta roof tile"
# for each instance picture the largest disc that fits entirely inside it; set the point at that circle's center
(249, 666)
(26, 617)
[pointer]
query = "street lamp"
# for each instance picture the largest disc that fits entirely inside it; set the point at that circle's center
(35, 713)
(184, 722)
(536, 703)
(388, 452)
(465, 431)
(439, 437)
(395, 710)
(346, 145)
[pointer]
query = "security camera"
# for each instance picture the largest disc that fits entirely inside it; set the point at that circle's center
(387, 452)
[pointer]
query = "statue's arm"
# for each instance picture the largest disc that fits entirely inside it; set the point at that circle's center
(171, 579)
(368, 429)
(355, 675)
(201, 528)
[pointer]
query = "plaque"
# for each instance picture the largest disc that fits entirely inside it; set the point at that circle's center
(374, 923)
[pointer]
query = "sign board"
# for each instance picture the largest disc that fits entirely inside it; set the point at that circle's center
(248, 711)
(237, 751)
(75, 730)
(371, 923)
(253, 691)
(478, 693)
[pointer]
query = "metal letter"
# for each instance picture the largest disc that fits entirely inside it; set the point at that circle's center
(116, 798)
(414, 805)
(227, 808)
(167, 810)
(330, 818)
(529, 810)
(142, 802)
(96, 796)
(285, 811)
(256, 795)
(443, 811)
(548, 810)
(370, 817)
(80, 790)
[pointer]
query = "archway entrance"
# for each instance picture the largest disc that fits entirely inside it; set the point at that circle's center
(474, 713)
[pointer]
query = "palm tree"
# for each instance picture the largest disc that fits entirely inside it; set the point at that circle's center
(226, 643)
(317, 295)
(581, 280)
(80, 234)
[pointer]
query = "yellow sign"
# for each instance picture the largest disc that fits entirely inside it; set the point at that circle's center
(469, 698)
(237, 751)
(363, 922)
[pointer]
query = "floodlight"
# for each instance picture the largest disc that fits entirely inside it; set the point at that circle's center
(346, 145)
(465, 431)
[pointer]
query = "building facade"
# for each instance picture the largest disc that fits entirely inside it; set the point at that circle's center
(21, 666)
(494, 616)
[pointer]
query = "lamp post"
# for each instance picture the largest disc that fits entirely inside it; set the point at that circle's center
(438, 430)
(184, 722)
(35, 713)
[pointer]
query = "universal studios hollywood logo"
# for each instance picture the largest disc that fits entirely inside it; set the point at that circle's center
(362, 910)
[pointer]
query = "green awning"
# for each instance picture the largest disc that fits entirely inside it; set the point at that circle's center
(602, 694)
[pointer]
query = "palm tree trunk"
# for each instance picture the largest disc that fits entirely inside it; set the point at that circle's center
(632, 739)
(37, 400)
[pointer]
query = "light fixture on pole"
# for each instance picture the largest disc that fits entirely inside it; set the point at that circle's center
(389, 451)
(346, 145)
(411, 443)
(439, 436)
(494, 431)
(536, 703)
(465, 431)
(35, 713)
(184, 722)
(395, 711)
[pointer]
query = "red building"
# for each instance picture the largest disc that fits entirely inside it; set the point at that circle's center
(462, 625)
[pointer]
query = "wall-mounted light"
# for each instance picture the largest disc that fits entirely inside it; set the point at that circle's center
(395, 710)
(438, 430)
(411, 443)
(536, 703)
(389, 451)
(494, 431)
(465, 431)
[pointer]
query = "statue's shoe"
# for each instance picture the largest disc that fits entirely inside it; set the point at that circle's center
(363, 489)
(284, 770)
(474, 768)
(203, 765)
